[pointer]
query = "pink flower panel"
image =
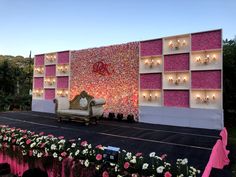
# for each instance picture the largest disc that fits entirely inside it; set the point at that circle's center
(49, 94)
(178, 62)
(51, 70)
(206, 79)
(38, 82)
(111, 73)
(176, 98)
(206, 40)
(39, 60)
(150, 81)
(153, 47)
(62, 82)
(63, 57)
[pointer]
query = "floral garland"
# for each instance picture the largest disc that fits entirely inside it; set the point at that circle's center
(134, 165)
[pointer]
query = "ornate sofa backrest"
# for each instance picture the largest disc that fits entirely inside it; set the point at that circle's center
(81, 101)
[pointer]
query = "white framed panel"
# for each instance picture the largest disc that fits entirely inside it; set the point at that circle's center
(206, 60)
(62, 70)
(150, 98)
(206, 99)
(50, 58)
(176, 80)
(184, 117)
(176, 44)
(151, 64)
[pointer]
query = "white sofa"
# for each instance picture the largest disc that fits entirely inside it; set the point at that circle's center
(83, 108)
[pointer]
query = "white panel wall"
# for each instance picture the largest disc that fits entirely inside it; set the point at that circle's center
(43, 106)
(184, 117)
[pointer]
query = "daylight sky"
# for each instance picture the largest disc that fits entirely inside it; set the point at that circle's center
(53, 25)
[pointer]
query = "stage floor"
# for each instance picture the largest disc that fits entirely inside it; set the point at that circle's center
(176, 142)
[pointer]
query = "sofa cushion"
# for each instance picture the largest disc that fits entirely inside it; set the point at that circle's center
(74, 112)
(63, 103)
(83, 103)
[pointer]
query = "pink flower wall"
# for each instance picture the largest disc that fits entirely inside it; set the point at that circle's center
(206, 40)
(153, 47)
(150, 81)
(108, 72)
(176, 98)
(49, 94)
(206, 79)
(51, 70)
(39, 60)
(178, 62)
(63, 57)
(38, 82)
(62, 82)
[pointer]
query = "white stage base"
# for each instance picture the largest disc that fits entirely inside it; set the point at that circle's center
(184, 117)
(43, 106)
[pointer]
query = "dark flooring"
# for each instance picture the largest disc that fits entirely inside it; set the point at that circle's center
(176, 142)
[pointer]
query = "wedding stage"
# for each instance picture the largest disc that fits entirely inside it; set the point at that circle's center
(177, 142)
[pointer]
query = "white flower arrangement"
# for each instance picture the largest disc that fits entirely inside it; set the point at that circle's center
(41, 146)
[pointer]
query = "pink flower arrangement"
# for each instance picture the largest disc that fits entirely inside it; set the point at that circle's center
(98, 157)
(32, 144)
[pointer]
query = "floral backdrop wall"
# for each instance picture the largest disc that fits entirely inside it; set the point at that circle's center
(108, 72)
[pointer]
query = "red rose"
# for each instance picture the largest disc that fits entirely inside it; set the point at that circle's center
(163, 156)
(41, 133)
(126, 165)
(99, 146)
(138, 154)
(84, 143)
(167, 174)
(30, 152)
(28, 141)
(105, 174)
(60, 137)
(42, 145)
(98, 157)
(63, 154)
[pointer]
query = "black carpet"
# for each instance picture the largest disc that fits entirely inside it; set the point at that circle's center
(176, 142)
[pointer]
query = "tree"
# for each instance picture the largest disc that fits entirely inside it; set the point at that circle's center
(229, 75)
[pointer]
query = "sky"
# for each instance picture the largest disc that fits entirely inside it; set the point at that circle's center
(43, 26)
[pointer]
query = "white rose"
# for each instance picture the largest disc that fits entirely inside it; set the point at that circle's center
(76, 152)
(160, 169)
(184, 161)
(39, 154)
(86, 163)
(32, 145)
(73, 145)
(133, 160)
(55, 155)
(145, 166)
(53, 147)
(129, 155)
(152, 154)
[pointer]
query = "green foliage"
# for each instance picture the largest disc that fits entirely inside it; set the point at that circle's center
(16, 81)
(229, 75)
